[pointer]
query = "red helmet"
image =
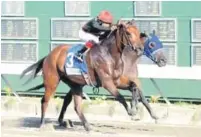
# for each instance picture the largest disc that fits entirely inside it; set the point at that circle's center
(105, 16)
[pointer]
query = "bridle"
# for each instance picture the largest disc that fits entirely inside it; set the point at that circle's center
(128, 43)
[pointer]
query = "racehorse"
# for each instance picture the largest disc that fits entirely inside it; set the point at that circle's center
(105, 64)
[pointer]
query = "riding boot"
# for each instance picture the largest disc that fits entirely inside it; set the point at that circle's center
(80, 53)
(84, 50)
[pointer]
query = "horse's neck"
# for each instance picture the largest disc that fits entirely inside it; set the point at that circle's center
(130, 63)
(109, 47)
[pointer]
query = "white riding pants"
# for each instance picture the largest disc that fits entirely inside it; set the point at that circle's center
(87, 36)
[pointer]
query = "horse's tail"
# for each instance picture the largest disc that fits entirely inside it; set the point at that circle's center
(36, 67)
(36, 87)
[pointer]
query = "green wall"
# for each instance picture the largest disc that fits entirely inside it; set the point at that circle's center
(183, 11)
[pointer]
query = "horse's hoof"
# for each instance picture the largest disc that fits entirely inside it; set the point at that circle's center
(131, 112)
(68, 124)
(155, 118)
(42, 126)
(63, 124)
(135, 118)
(47, 127)
(87, 127)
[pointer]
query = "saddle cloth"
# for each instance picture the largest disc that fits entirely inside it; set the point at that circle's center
(72, 65)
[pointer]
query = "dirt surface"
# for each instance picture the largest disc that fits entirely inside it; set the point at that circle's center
(22, 119)
(29, 126)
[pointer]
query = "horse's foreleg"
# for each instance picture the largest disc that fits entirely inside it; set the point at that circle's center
(78, 102)
(67, 101)
(147, 105)
(110, 86)
(134, 100)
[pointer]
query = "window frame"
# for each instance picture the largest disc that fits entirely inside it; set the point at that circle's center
(24, 38)
(15, 14)
(145, 15)
(23, 42)
(65, 19)
(192, 26)
(64, 42)
(192, 46)
(80, 14)
(153, 19)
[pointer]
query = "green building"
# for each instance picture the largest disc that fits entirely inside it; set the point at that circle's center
(31, 29)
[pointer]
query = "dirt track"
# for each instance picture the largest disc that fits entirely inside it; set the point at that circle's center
(22, 120)
(29, 126)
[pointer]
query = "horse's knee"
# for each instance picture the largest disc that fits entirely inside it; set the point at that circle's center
(45, 100)
(120, 98)
(77, 109)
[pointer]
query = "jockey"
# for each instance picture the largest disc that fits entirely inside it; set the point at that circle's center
(95, 30)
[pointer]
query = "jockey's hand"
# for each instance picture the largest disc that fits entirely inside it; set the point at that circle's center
(113, 27)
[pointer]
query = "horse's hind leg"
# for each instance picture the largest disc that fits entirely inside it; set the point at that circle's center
(77, 94)
(49, 90)
(67, 101)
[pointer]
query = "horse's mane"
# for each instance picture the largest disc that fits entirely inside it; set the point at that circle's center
(109, 40)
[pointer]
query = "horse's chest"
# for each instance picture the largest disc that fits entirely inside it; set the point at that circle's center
(118, 69)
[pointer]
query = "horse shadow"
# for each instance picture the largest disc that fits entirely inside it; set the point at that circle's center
(52, 124)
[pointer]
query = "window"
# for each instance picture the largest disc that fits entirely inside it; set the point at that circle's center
(165, 28)
(55, 44)
(77, 8)
(196, 54)
(169, 52)
(19, 52)
(19, 28)
(196, 30)
(66, 28)
(12, 8)
(147, 8)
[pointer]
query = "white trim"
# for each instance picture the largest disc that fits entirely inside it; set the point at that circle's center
(192, 46)
(145, 15)
(192, 25)
(159, 19)
(81, 14)
(22, 18)
(65, 19)
(59, 42)
(23, 42)
(183, 73)
(7, 68)
(169, 72)
(15, 14)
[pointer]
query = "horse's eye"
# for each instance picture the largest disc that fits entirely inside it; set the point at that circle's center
(152, 45)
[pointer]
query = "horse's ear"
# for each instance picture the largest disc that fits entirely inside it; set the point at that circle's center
(131, 22)
(154, 32)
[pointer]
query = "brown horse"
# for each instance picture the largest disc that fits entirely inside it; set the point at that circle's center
(128, 79)
(104, 64)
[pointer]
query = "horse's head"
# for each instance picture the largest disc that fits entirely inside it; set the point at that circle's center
(130, 36)
(153, 48)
